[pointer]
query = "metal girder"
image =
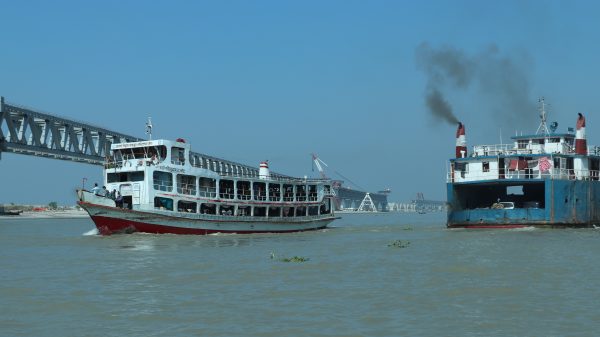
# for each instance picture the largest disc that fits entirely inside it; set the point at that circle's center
(30, 132)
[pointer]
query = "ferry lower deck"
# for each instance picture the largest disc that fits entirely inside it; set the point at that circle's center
(520, 203)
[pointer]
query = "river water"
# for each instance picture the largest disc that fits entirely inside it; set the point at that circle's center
(56, 279)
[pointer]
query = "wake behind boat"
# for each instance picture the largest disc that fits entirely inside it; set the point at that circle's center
(157, 189)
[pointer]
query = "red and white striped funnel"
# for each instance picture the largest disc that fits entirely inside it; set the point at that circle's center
(461, 141)
(580, 141)
(263, 170)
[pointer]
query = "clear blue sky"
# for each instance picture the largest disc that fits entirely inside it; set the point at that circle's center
(277, 80)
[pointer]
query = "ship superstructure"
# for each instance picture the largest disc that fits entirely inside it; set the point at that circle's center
(158, 188)
(542, 179)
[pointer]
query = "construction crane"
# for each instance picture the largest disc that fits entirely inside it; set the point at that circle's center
(317, 162)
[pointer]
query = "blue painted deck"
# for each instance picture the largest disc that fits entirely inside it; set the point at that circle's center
(570, 203)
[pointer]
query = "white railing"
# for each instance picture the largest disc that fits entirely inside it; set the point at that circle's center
(509, 149)
(163, 185)
(208, 192)
(494, 174)
(189, 189)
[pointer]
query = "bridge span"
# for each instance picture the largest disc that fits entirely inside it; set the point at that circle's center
(29, 132)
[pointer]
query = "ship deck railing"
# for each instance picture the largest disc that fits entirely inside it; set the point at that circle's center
(494, 175)
(130, 161)
(232, 217)
(509, 149)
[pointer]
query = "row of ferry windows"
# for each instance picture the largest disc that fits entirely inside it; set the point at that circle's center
(230, 189)
(210, 208)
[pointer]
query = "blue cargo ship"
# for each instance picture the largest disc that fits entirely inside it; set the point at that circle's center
(546, 179)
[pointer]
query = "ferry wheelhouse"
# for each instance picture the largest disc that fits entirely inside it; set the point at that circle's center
(162, 187)
(545, 179)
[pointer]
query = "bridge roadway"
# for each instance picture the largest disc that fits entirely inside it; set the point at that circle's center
(29, 132)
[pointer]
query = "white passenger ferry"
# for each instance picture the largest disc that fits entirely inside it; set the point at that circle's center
(160, 186)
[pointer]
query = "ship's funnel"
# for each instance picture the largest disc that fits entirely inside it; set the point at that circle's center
(461, 141)
(580, 141)
(263, 171)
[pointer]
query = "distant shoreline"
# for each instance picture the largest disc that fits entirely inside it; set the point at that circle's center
(66, 214)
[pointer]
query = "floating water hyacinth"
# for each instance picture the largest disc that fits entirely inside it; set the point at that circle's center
(290, 259)
(400, 244)
(294, 259)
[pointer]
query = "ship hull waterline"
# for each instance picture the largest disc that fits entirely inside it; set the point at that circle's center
(112, 220)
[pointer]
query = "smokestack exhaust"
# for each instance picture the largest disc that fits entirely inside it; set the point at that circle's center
(461, 141)
(580, 140)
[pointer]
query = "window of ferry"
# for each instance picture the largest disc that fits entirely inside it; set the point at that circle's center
(301, 193)
(288, 211)
(186, 206)
(313, 210)
(243, 211)
(260, 192)
(226, 189)
(486, 166)
(312, 192)
(163, 203)
(157, 153)
(274, 211)
(208, 187)
(300, 211)
(208, 208)
(260, 211)
(288, 192)
(226, 209)
(163, 181)
(186, 184)
(177, 155)
(125, 176)
(274, 192)
(243, 190)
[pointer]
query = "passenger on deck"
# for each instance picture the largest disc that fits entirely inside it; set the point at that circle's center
(104, 192)
(96, 189)
(119, 200)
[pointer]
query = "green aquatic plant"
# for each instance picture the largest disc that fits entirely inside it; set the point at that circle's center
(294, 259)
(399, 244)
(289, 259)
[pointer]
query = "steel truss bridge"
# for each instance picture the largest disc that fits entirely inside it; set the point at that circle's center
(29, 132)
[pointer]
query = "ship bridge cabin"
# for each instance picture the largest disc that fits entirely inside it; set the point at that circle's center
(518, 174)
(163, 175)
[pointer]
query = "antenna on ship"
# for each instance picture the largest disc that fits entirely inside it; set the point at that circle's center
(149, 128)
(543, 128)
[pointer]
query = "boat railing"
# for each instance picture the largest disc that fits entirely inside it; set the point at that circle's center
(233, 217)
(207, 192)
(505, 174)
(509, 149)
(163, 185)
(273, 177)
(244, 194)
(189, 189)
(260, 197)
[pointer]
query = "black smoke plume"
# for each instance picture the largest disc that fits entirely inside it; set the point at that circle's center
(501, 80)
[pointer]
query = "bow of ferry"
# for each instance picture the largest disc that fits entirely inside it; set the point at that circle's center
(546, 179)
